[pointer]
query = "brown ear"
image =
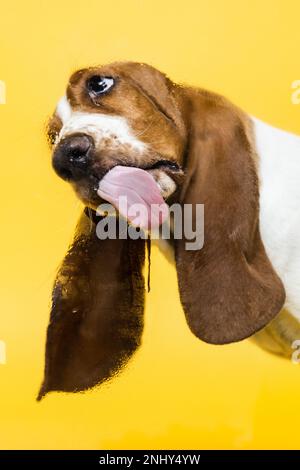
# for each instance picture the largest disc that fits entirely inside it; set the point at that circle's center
(96, 320)
(229, 289)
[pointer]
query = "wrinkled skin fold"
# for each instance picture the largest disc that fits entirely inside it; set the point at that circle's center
(96, 320)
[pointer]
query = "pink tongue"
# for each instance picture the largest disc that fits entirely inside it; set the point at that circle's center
(124, 186)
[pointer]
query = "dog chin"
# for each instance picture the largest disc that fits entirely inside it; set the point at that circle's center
(87, 193)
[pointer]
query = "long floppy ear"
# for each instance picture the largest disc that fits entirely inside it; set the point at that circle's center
(229, 289)
(96, 320)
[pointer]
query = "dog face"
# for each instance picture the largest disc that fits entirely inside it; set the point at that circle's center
(131, 114)
(123, 114)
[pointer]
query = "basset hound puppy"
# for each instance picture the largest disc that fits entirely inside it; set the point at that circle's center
(199, 149)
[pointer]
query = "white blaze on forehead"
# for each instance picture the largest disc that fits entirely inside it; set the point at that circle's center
(99, 126)
(63, 109)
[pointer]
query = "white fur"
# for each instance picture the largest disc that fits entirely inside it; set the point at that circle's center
(99, 126)
(63, 109)
(279, 171)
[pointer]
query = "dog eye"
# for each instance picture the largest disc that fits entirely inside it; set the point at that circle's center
(98, 85)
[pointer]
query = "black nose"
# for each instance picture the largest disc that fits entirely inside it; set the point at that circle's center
(71, 157)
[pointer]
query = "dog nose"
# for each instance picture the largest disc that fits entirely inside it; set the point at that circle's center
(71, 157)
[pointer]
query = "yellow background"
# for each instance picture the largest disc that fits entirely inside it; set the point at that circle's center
(177, 392)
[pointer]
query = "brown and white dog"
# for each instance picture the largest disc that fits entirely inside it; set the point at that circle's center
(200, 149)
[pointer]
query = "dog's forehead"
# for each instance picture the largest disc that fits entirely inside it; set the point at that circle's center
(133, 72)
(141, 104)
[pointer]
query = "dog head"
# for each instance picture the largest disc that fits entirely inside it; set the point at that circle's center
(132, 115)
(123, 114)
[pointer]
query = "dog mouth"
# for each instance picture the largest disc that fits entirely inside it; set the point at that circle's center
(136, 194)
(162, 164)
(147, 176)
